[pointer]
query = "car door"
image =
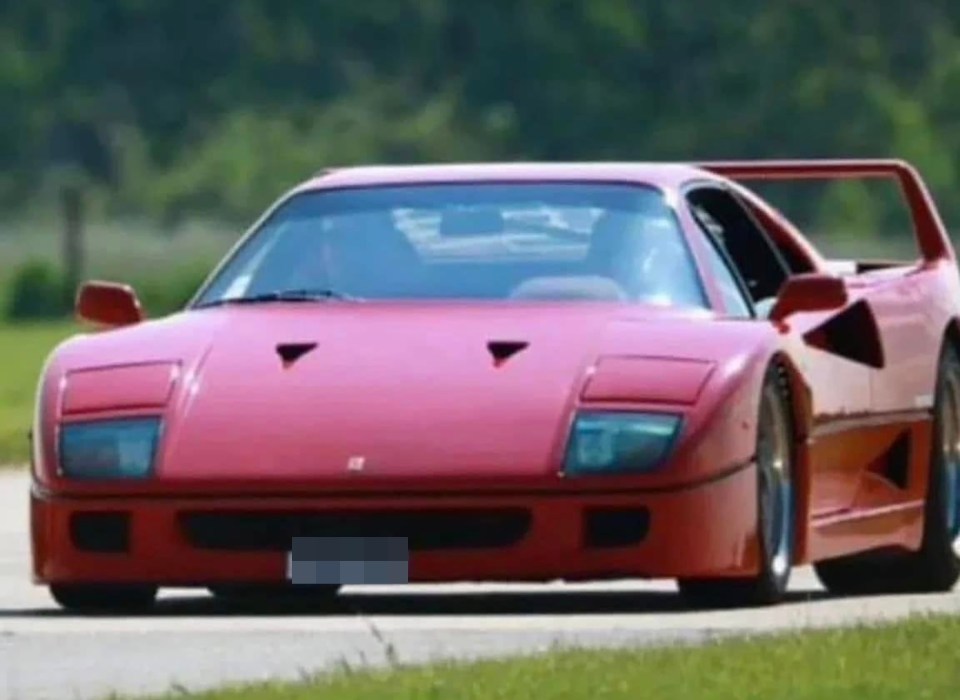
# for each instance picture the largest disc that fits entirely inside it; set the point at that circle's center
(740, 257)
(905, 384)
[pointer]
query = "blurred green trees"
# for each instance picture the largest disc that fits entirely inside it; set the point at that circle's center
(215, 107)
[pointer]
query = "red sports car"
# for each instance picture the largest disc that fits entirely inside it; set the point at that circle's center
(514, 372)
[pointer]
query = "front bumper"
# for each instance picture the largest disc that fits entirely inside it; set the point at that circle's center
(705, 529)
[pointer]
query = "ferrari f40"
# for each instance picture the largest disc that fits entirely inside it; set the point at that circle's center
(514, 372)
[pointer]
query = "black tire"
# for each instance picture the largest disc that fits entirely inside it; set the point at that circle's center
(103, 598)
(935, 567)
(776, 508)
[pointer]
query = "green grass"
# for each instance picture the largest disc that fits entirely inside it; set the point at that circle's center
(917, 658)
(23, 350)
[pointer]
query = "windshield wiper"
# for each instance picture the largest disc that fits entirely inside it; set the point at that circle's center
(306, 295)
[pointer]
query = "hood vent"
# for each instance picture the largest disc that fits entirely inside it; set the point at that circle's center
(503, 350)
(291, 352)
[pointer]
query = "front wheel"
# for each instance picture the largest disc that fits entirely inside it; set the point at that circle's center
(776, 510)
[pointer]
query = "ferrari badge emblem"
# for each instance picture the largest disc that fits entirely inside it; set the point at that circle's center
(355, 464)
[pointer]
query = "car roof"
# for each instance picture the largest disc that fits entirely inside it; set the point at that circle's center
(665, 175)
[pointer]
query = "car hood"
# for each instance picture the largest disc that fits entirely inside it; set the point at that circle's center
(379, 393)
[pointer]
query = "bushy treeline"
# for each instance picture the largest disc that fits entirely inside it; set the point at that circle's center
(181, 107)
(37, 289)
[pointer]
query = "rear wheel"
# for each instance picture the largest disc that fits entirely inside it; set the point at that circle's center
(103, 597)
(935, 566)
(776, 511)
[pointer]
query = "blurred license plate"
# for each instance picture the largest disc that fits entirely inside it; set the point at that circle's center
(318, 561)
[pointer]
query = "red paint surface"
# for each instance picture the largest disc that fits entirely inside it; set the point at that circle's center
(653, 379)
(146, 386)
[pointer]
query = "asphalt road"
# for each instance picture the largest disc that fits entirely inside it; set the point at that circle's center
(191, 642)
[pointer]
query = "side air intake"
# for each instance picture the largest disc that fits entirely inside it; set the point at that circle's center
(852, 334)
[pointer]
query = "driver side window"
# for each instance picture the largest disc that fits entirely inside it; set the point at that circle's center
(735, 301)
(744, 243)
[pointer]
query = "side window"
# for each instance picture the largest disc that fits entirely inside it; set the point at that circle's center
(734, 298)
(730, 224)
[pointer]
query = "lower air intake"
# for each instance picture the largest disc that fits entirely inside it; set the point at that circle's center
(615, 527)
(253, 531)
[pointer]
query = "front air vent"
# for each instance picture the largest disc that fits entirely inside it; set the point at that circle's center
(291, 352)
(503, 350)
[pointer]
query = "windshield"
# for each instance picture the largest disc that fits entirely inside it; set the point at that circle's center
(560, 241)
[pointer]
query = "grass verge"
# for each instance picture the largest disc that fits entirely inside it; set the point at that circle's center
(23, 350)
(916, 658)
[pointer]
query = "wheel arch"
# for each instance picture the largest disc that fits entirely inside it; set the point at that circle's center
(951, 334)
(800, 400)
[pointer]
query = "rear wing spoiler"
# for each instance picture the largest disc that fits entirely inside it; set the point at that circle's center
(931, 235)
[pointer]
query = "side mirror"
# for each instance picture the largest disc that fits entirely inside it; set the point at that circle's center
(809, 292)
(108, 304)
